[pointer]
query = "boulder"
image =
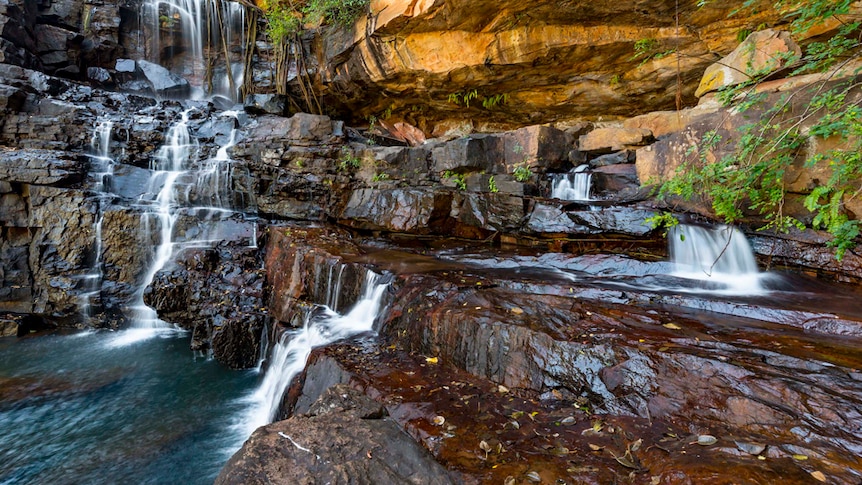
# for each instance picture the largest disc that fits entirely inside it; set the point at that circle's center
(761, 52)
(274, 104)
(346, 437)
(216, 293)
(613, 139)
(163, 82)
(416, 211)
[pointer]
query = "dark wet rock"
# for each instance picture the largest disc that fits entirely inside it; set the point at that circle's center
(217, 294)
(16, 289)
(534, 147)
(46, 248)
(339, 441)
(40, 167)
(808, 251)
(625, 156)
(619, 220)
(491, 212)
(57, 47)
(274, 104)
(99, 76)
(396, 210)
(615, 179)
(302, 128)
(303, 265)
(163, 82)
(548, 218)
(17, 43)
(11, 99)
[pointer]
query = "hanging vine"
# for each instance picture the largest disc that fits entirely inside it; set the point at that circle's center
(286, 21)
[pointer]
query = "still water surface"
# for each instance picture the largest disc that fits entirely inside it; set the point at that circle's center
(105, 407)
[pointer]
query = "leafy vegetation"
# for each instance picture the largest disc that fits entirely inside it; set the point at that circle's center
(522, 173)
(348, 160)
(458, 178)
(492, 185)
(464, 98)
(285, 19)
(745, 172)
(649, 49)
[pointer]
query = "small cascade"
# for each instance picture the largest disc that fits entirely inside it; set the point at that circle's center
(720, 254)
(322, 326)
(187, 34)
(102, 168)
(167, 166)
(574, 185)
(189, 202)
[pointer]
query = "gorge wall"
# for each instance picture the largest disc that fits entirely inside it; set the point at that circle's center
(546, 357)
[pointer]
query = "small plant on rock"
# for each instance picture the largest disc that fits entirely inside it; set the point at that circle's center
(458, 178)
(522, 173)
(348, 160)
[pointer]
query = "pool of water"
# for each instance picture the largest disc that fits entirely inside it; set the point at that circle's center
(102, 407)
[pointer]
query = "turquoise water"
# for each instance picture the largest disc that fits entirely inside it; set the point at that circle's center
(118, 407)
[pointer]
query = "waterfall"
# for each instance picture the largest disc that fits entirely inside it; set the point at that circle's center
(574, 185)
(102, 167)
(167, 167)
(720, 254)
(207, 28)
(322, 326)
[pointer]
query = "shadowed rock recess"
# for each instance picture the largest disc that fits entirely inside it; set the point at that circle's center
(521, 338)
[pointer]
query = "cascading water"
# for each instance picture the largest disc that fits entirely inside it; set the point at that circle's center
(101, 169)
(322, 327)
(167, 166)
(574, 185)
(209, 29)
(720, 254)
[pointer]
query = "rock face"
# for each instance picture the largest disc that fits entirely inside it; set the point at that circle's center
(486, 360)
(524, 64)
(765, 51)
(64, 38)
(217, 294)
(344, 438)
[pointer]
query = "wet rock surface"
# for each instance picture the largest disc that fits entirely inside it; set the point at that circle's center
(217, 293)
(524, 366)
(345, 437)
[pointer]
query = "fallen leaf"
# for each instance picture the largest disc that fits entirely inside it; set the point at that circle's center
(534, 477)
(596, 447)
(672, 326)
(517, 311)
(706, 440)
(431, 360)
(502, 389)
(750, 448)
(568, 421)
(438, 420)
(485, 446)
(819, 476)
(800, 457)
(625, 462)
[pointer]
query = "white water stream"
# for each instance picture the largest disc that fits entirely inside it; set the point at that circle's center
(207, 27)
(322, 327)
(719, 254)
(574, 185)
